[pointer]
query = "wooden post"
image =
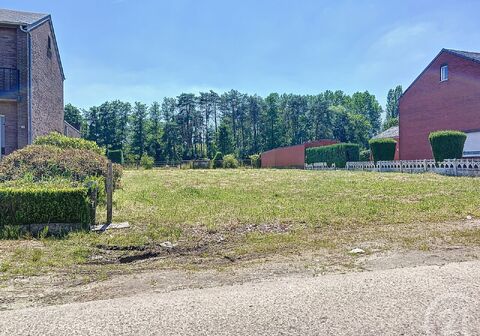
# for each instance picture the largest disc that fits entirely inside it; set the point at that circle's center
(109, 188)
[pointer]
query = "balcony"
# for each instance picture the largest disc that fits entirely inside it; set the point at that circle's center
(9, 83)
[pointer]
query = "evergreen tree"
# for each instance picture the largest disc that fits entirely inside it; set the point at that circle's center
(139, 131)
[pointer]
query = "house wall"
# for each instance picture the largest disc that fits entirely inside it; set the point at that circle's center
(13, 55)
(47, 84)
(292, 156)
(430, 105)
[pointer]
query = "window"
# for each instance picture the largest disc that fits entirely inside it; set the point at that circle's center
(2, 135)
(443, 73)
(49, 47)
(472, 145)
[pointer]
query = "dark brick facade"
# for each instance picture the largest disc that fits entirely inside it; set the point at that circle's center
(47, 85)
(430, 105)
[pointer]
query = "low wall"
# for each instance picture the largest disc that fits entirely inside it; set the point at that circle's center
(292, 156)
(461, 167)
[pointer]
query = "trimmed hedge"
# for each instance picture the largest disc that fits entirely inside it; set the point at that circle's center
(43, 205)
(62, 141)
(115, 155)
(383, 149)
(447, 144)
(338, 154)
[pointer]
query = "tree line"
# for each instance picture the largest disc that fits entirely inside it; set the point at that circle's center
(194, 126)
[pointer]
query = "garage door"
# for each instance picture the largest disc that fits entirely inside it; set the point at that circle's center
(472, 145)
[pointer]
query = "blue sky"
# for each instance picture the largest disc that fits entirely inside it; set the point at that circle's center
(145, 49)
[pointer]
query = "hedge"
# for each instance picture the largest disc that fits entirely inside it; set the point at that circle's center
(383, 149)
(115, 155)
(255, 161)
(365, 155)
(46, 162)
(34, 205)
(338, 154)
(62, 141)
(447, 144)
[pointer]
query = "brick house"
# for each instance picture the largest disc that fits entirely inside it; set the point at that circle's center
(446, 95)
(31, 79)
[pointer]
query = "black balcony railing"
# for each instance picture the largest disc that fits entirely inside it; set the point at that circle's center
(9, 80)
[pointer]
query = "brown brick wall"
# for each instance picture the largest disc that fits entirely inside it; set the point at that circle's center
(22, 104)
(8, 48)
(292, 156)
(47, 84)
(431, 105)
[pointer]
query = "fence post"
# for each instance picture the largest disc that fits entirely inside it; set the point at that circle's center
(455, 167)
(425, 165)
(109, 188)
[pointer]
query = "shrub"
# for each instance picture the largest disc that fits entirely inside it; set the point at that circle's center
(48, 162)
(255, 161)
(115, 155)
(447, 144)
(217, 160)
(229, 161)
(147, 162)
(338, 154)
(364, 155)
(43, 205)
(383, 149)
(62, 141)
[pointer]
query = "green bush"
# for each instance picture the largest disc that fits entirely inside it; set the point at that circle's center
(229, 161)
(147, 162)
(383, 149)
(338, 154)
(218, 160)
(39, 162)
(43, 205)
(365, 155)
(447, 144)
(115, 155)
(255, 161)
(62, 141)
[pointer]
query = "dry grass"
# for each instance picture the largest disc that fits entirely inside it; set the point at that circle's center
(248, 214)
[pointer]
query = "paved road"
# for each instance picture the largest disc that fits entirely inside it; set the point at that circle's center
(429, 300)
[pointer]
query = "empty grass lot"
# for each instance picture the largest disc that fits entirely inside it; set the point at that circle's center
(225, 216)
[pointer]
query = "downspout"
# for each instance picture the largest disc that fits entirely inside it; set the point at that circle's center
(29, 82)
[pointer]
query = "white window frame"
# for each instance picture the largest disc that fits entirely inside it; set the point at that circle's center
(472, 145)
(444, 73)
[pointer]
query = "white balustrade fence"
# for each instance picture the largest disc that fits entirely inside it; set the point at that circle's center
(460, 167)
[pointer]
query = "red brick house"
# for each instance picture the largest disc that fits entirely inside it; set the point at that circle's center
(446, 95)
(31, 79)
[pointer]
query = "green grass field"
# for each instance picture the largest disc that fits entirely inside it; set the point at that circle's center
(248, 214)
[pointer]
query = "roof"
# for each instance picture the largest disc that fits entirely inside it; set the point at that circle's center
(468, 55)
(8, 16)
(392, 132)
(474, 56)
(31, 21)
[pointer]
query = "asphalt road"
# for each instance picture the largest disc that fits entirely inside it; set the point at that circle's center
(427, 300)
